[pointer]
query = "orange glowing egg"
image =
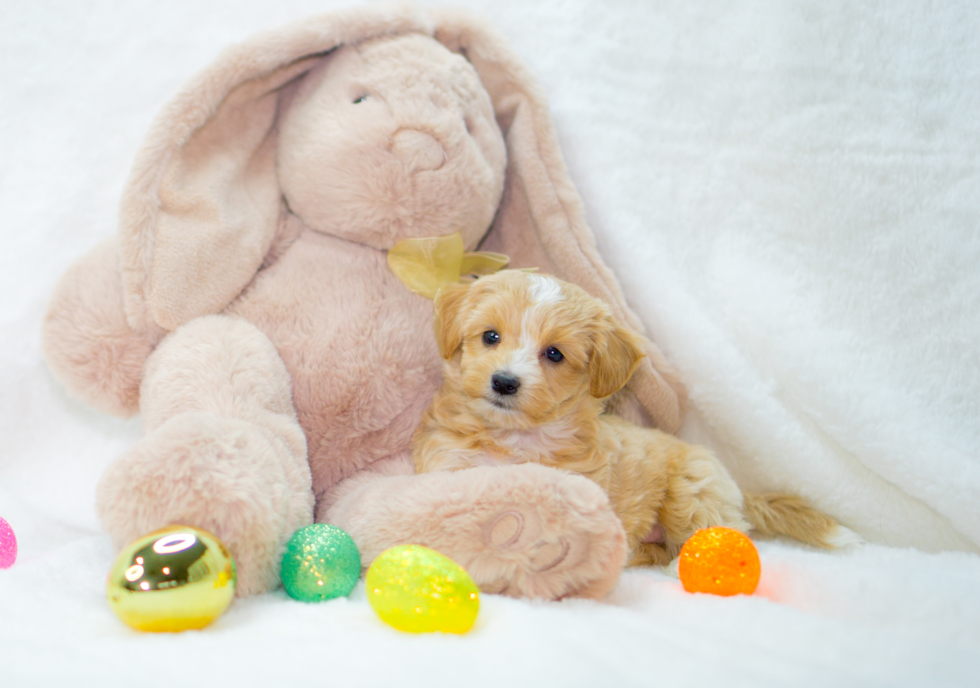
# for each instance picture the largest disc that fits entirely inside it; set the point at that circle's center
(721, 561)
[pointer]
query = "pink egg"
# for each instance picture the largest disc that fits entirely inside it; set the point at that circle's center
(8, 545)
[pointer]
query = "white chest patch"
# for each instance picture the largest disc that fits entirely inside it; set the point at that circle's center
(545, 439)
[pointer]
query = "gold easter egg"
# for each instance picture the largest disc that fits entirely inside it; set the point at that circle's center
(174, 579)
(418, 590)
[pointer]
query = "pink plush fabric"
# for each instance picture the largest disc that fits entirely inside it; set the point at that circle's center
(281, 368)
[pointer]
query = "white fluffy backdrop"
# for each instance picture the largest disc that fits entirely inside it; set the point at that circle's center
(789, 193)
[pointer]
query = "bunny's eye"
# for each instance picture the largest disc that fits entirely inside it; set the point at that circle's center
(359, 100)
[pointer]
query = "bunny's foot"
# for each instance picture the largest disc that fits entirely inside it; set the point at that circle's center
(523, 531)
(224, 450)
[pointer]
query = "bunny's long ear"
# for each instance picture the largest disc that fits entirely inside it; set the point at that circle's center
(541, 222)
(202, 205)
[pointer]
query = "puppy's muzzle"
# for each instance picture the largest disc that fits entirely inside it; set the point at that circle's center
(505, 384)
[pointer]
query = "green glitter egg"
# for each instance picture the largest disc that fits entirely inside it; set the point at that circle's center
(321, 562)
(419, 590)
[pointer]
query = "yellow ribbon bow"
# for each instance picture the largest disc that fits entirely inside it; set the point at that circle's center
(428, 264)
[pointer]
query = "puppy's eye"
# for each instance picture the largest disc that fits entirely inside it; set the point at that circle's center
(554, 355)
(361, 99)
(490, 337)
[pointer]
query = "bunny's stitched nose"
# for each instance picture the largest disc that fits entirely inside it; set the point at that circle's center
(505, 383)
(418, 150)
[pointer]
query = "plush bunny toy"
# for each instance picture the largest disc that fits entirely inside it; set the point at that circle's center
(247, 311)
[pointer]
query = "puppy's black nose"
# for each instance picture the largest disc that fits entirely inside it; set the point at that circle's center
(505, 383)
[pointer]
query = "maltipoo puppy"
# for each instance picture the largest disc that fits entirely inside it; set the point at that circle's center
(529, 362)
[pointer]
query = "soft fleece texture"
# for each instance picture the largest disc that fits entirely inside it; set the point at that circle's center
(307, 156)
(787, 195)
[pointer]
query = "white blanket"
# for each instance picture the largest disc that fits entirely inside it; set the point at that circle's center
(789, 193)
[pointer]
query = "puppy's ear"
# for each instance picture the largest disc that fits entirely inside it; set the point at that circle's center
(616, 355)
(448, 323)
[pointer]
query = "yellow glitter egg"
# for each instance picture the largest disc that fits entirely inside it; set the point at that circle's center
(721, 561)
(418, 590)
(174, 579)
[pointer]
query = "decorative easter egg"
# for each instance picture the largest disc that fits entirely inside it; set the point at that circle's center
(321, 562)
(8, 545)
(416, 589)
(174, 579)
(721, 561)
